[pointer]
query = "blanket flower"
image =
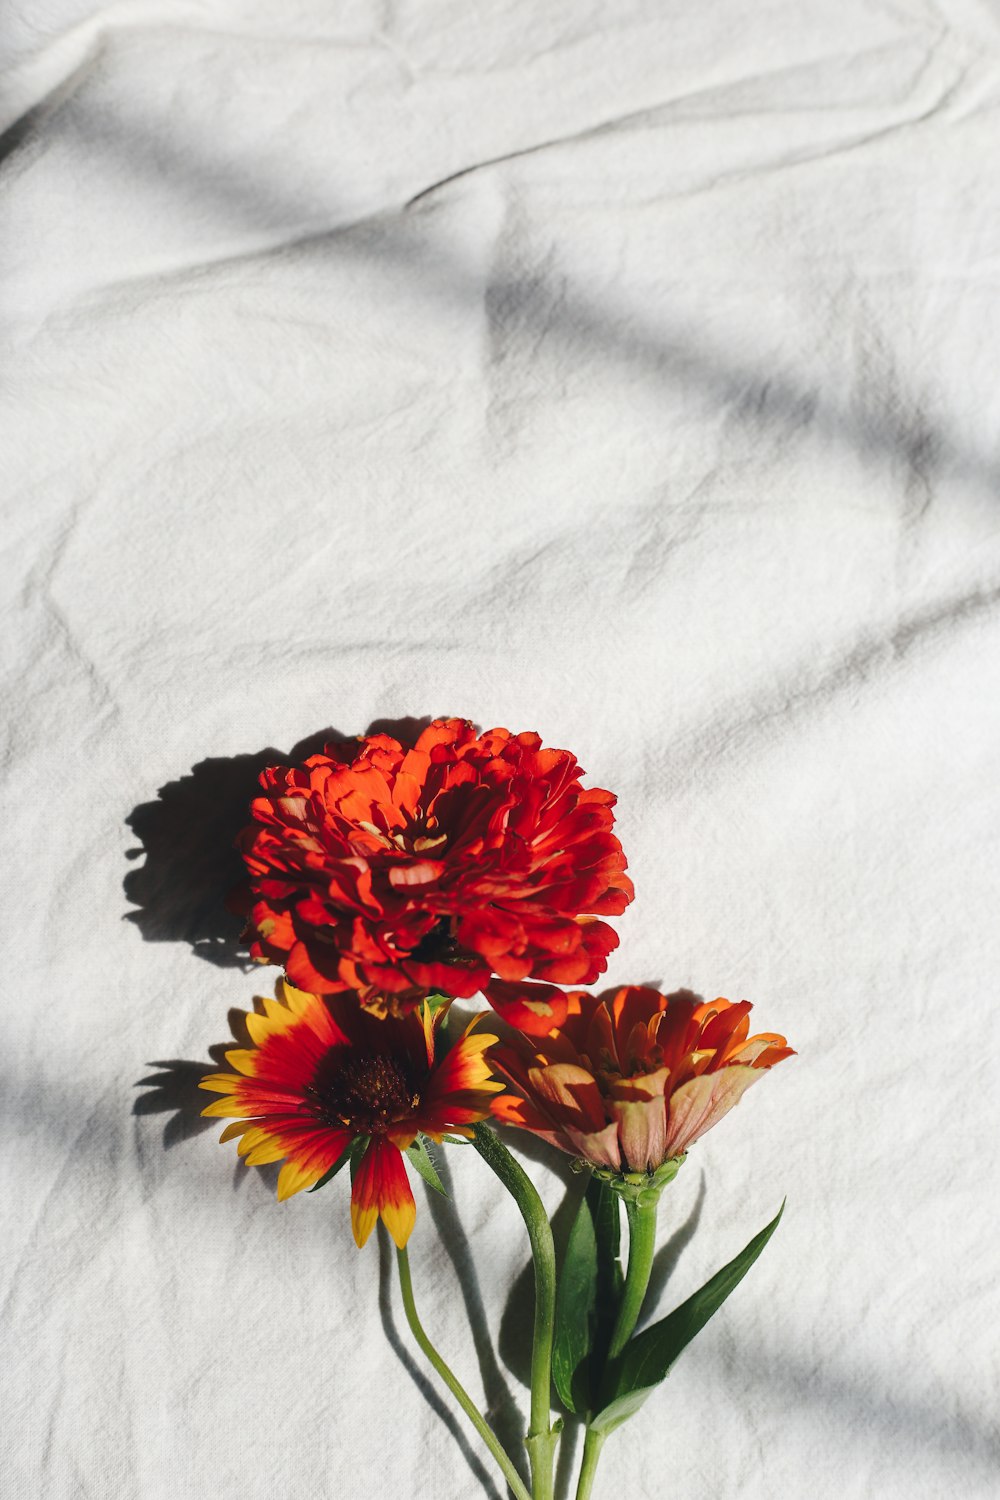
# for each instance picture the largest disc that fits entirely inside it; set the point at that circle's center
(632, 1080)
(324, 1079)
(394, 872)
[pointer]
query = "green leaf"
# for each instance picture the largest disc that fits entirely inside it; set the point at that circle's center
(605, 1206)
(576, 1304)
(356, 1151)
(342, 1160)
(649, 1357)
(587, 1296)
(420, 1158)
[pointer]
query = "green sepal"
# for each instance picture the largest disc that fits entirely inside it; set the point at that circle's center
(641, 1188)
(419, 1157)
(347, 1155)
(648, 1359)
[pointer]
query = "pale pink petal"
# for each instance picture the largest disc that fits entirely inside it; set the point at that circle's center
(571, 1095)
(701, 1102)
(642, 1129)
(599, 1146)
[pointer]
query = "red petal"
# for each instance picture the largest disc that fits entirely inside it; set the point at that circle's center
(381, 1187)
(534, 1008)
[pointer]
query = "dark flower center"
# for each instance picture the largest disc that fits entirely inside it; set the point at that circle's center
(365, 1093)
(437, 946)
(440, 946)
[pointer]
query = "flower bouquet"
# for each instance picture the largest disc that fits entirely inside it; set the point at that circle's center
(389, 881)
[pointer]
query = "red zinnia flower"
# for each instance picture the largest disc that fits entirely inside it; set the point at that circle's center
(631, 1081)
(322, 1074)
(395, 872)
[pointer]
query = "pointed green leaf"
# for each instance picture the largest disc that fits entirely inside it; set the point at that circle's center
(356, 1151)
(419, 1157)
(605, 1206)
(576, 1302)
(587, 1294)
(649, 1357)
(328, 1176)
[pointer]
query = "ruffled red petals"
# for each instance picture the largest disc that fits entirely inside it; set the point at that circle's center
(401, 871)
(631, 1080)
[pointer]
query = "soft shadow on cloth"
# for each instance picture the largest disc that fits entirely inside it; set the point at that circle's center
(858, 1399)
(174, 1090)
(188, 834)
(896, 427)
(190, 867)
(420, 1380)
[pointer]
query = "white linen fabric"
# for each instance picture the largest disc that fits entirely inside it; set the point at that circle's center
(624, 371)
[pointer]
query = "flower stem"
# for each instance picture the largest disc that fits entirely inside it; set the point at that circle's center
(458, 1391)
(593, 1443)
(641, 1244)
(541, 1440)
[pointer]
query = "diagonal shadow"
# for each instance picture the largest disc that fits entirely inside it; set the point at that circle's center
(897, 428)
(420, 1380)
(861, 1399)
(174, 1090)
(502, 1411)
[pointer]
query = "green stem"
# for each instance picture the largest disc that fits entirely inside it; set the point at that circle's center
(458, 1391)
(541, 1440)
(642, 1242)
(641, 1245)
(593, 1443)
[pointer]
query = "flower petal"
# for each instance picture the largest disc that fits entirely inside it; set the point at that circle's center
(491, 840)
(642, 1129)
(631, 1077)
(532, 1008)
(701, 1103)
(381, 1187)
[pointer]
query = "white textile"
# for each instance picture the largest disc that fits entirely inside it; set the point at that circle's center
(620, 369)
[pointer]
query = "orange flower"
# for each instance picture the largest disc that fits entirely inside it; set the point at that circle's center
(323, 1076)
(396, 872)
(631, 1081)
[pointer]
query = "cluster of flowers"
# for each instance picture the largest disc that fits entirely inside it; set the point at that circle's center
(388, 881)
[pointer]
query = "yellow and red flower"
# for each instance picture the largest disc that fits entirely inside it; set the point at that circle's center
(394, 872)
(323, 1076)
(632, 1080)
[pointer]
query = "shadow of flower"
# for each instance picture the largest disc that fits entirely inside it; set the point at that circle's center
(187, 836)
